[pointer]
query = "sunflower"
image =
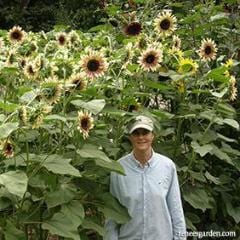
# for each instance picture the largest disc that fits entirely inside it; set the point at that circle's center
(36, 119)
(73, 37)
(62, 39)
(51, 90)
(77, 82)
(150, 59)
(233, 88)
(85, 123)
(11, 58)
(1, 44)
(229, 63)
(187, 65)
(165, 23)
(176, 43)
(133, 29)
(16, 35)
(208, 50)
(30, 70)
(94, 64)
(22, 115)
(7, 149)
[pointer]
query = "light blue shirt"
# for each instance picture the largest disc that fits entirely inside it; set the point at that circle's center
(152, 196)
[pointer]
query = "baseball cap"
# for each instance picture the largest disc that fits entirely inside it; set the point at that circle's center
(141, 122)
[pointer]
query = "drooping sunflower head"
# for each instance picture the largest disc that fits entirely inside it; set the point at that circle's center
(85, 123)
(36, 118)
(187, 65)
(62, 39)
(94, 64)
(22, 115)
(51, 90)
(165, 23)
(133, 29)
(77, 82)
(16, 35)
(233, 88)
(208, 50)
(7, 148)
(150, 59)
(176, 43)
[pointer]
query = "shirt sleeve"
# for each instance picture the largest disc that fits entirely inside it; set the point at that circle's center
(111, 227)
(175, 208)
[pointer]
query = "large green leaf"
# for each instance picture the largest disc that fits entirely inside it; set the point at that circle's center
(88, 223)
(12, 233)
(15, 182)
(7, 128)
(59, 165)
(95, 106)
(113, 210)
(90, 151)
(221, 155)
(28, 97)
(202, 150)
(231, 122)
(66, 222)
(8, 107)
(60, 196)
(198, 198)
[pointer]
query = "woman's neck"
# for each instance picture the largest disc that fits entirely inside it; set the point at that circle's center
(142, 156)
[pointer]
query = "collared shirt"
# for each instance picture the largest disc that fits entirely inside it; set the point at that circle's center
(152, 196)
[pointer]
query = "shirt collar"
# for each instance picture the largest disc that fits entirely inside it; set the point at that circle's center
(149, 163)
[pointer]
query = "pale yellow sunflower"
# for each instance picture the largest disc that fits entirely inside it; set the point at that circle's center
(1, 45)
(16, 35)
(208, 50)
(73, 37)
(51, 90)
(150, 59)
(77, 82)
(233, 89)
(165, 23)
(94, 64)
(7, 148)
(187, 65)
(62, 39)
(85, 123)
(229, 63)
(30, 70)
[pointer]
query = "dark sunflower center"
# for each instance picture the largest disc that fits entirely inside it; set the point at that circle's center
(30, 70)
(78, 83)
(165, 24)
(61, 40)
(133, 29)
(9, 148)
(208, 50)
(150, 58)
(16, 35)
(84, 123)
(93, 65)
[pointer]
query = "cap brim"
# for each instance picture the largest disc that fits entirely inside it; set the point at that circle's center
(141, 125)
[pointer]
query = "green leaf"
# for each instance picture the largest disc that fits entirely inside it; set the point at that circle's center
(59, 165)
(66, 222)
(90, 224)
(60, 196)
(221, 155)
(28, 97)
(7, 128)
(197, 175)
(113, 165)
(202, 150)
(231, 122)
(153, 84)
(12, 233)
(113, 210)
(95, 106)
(55, 117)
(212, 178)
(218, 74)
(218, 16)
(15, 182)
(8, 107)
(198, 198)
(90, 151)
(219, 95)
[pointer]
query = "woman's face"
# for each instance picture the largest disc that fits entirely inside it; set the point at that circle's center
(141, 140)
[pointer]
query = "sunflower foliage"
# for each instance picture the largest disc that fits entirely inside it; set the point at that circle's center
(67, 96)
